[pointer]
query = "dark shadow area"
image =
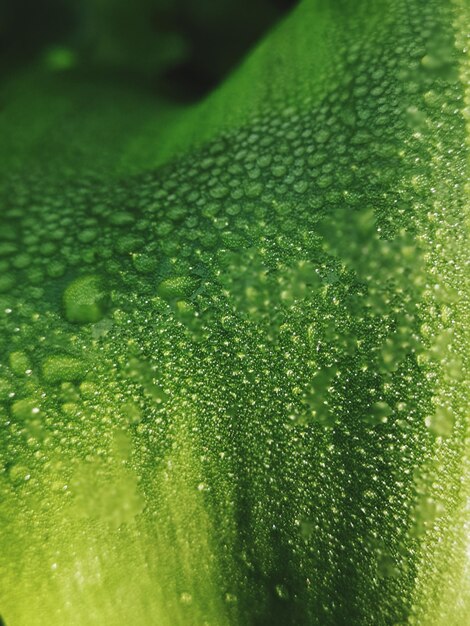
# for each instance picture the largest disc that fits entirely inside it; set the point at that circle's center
(179, 48)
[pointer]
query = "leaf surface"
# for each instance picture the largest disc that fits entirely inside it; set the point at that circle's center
(234, 338)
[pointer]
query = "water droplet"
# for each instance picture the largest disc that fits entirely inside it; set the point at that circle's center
(85, 300)
(25, 409)
(379, 413)
(282, 592)
(219, 191)
(186, 598)
(144, 263)
(7, 282)
(177, 287)
(101, 328)
(230, 598)
(60, 368)
(19, 363)
(441, 422)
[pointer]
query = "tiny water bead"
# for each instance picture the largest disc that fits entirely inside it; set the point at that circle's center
(282, 592)
(186, 598)
(119, 218)
(56, 269)
(88, 235)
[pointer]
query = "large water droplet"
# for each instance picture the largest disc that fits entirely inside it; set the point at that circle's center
(85, 300)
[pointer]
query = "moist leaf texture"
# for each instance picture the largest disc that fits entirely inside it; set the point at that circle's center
(234, 345)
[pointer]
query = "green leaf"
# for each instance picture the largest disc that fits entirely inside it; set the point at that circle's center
(234, 371)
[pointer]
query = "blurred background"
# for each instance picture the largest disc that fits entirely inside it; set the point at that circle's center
(179, 49)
